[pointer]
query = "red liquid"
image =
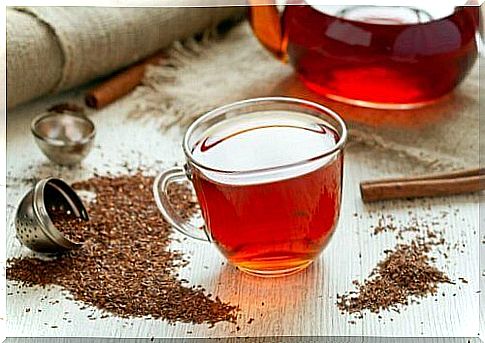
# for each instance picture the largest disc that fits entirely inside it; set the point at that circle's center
(277, 223)
(406, 58)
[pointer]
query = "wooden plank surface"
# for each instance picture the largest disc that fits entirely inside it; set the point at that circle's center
(302, 304)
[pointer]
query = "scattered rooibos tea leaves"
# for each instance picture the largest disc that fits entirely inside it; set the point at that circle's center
(405, 275)
(68, 224)
(125, 266)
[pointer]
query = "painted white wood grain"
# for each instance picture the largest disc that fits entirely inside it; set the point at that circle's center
(285, 339)
(301, 304)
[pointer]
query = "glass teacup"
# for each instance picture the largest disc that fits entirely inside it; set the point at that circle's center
(267, 173)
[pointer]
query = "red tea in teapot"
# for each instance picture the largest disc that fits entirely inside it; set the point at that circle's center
(270, 222)
(375, 56)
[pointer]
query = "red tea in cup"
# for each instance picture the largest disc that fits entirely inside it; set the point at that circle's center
(269, 183)
(270, 223)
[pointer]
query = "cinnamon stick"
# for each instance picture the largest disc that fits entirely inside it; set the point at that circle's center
(120, 84)
(466, 181)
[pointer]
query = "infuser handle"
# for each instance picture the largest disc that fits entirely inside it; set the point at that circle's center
(266, 24)
(160, 187)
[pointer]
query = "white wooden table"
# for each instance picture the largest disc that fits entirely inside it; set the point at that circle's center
(302, 304)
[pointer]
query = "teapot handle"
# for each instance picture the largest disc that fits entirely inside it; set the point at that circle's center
(266, 24)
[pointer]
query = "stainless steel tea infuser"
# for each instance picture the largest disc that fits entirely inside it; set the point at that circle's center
(65, 138)
(35, 228)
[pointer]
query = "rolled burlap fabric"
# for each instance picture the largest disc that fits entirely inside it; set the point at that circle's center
(50, 49)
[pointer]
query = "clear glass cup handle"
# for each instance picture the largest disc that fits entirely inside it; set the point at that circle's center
(160, 187)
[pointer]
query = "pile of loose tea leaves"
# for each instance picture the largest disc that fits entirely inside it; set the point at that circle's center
(125, 266)
(68, 224)
(404, 275)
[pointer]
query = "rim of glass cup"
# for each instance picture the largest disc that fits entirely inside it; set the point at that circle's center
(239, 104)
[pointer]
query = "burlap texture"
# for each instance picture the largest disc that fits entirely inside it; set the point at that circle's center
(34, 58)
(55, 48)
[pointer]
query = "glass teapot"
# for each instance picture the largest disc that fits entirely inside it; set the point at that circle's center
(373, 56)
